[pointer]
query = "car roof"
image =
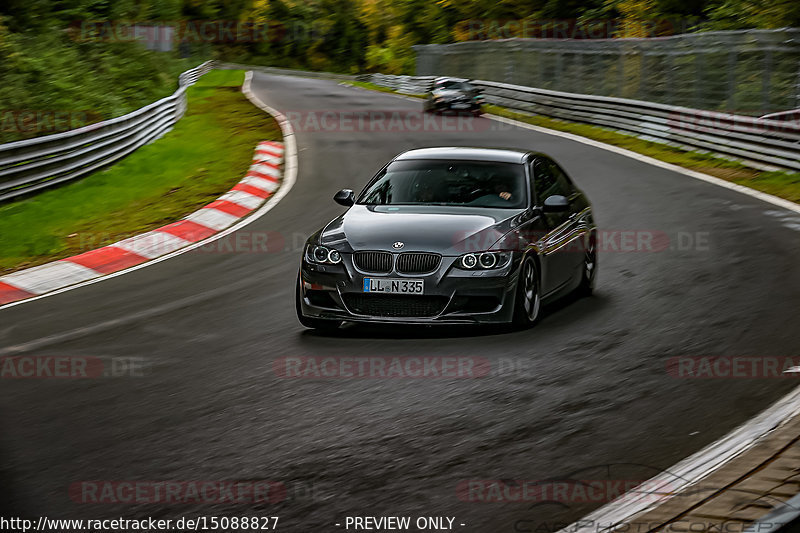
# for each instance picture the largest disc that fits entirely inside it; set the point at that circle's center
(448, 78)
(500, 155)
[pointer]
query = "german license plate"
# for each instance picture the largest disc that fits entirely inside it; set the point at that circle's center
(393, 285)
(460, 106)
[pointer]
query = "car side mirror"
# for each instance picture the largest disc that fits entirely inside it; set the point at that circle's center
(345, 197)
(556, 204)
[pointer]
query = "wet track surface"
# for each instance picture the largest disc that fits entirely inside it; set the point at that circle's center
(594, 390)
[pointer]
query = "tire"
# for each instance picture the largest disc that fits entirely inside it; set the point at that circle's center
(312, 323)
(589, 267)
(528, 301)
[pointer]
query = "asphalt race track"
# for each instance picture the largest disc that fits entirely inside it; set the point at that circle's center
(590, 398)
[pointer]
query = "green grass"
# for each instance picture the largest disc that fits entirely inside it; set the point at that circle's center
(208, 151)
(782, 184)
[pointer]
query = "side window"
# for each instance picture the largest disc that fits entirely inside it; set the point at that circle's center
(565, 184)
(545, 182)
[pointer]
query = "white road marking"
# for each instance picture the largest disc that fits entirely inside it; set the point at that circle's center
(51, 276)
(152, 244)
(266, 170)
(261, 183)
(267, 157)
(213, 218)
(242, 198)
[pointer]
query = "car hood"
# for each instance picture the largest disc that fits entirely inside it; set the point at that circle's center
(444, 230)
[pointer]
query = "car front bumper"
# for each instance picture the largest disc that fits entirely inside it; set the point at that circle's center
(468, 106)
(451, 295)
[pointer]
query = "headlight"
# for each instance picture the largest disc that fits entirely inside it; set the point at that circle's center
(469, 261)
(483, 260)
(322, 255)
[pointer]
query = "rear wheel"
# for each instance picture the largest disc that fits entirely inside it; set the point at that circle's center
(313, 323)
(529, 300)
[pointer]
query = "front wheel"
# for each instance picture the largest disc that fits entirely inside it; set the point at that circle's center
(313, 323)
(529, 300)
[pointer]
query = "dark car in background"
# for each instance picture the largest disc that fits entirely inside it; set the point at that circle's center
(450, 235)
(453, 94)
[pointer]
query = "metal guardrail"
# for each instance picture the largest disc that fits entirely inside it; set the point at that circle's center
(33, 164)
(765, 144)
(403, 84)
(747, 72)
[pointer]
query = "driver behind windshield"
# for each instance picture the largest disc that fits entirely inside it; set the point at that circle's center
(448, 183)
(498, 190)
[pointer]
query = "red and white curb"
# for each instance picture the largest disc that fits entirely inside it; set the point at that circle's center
(261, 181)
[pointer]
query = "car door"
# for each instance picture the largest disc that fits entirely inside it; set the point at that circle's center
(560, 246)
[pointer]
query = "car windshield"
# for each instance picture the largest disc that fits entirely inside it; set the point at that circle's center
(448, 183)
(453, 85)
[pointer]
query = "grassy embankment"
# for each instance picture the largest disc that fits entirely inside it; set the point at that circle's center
(208, 151)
